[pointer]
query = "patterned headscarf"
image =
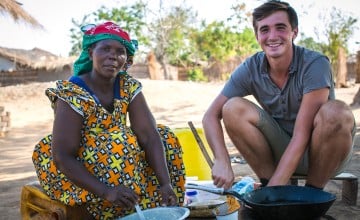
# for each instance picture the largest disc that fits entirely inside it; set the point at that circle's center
(93, 34)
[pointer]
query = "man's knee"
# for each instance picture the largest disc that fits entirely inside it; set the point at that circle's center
(233, 104)
(237, 106)
(335, 115)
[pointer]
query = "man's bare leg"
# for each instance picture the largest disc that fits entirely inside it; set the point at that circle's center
(331, 141)
(240, 117)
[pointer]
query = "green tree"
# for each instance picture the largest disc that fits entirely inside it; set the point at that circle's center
(240, 23)
(170, 31)
(310, 43)
(246, 43)
(164, 32)
(339, 27)
(131, 18)
(214, 41)
(221, 40)
(338, 31)
(76, 35)
(220, 43)
(174, 35)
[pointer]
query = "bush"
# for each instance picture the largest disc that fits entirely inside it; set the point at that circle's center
(196, 75)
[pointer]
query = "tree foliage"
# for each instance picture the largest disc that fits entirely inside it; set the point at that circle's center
(338, 29)
(76, 35)
(174, 34)
(310, 43)
(169, 35)
(131, 18)
(214, 41)
(177, 37)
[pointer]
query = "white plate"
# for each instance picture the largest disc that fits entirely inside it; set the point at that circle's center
(206, 204)
(161, 213)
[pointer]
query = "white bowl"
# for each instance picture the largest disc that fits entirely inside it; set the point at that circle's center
(161, 213)
(222, 213)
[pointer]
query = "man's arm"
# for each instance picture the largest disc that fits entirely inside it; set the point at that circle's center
(222, 172)
(310, 105)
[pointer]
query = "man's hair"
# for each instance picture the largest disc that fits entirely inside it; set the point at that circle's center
(272, 6)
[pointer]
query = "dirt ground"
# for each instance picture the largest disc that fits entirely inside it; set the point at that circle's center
(173, 103)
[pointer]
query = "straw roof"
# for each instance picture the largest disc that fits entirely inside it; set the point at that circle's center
(36, 59)
(14, 9)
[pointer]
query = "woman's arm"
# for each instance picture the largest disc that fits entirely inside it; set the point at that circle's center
(144, 126)
(65, 145)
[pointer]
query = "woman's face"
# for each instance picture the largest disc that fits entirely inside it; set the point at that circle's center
(108, 56)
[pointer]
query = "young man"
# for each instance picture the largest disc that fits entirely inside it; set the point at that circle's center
(299, 127)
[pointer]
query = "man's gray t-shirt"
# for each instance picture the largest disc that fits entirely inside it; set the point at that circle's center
(309, 71)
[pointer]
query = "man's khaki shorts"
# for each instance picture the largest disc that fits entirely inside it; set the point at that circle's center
(278, 140)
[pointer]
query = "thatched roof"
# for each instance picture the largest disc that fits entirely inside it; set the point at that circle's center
(36, 58)
(14, 9)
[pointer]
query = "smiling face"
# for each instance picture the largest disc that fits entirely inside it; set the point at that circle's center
(275, 35)
(109, 57)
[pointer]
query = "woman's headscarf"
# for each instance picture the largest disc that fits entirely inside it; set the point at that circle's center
(93, 34)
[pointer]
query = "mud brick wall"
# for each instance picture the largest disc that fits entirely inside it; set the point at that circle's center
(4, 121)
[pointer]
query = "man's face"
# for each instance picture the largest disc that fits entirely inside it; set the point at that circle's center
(275, 35)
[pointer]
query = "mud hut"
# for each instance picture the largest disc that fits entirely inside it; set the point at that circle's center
(18, 66)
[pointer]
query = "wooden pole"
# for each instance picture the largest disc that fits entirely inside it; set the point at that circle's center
(201, 144)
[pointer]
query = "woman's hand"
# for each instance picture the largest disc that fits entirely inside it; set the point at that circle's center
(121, 196)
(168, 196)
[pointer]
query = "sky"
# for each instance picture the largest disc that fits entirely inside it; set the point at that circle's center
(56, 16)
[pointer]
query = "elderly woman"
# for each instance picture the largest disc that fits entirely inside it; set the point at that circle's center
(93, 158)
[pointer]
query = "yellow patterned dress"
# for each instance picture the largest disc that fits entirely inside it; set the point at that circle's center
(108, 149)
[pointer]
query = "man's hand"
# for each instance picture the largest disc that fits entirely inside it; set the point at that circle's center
(222, 174)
